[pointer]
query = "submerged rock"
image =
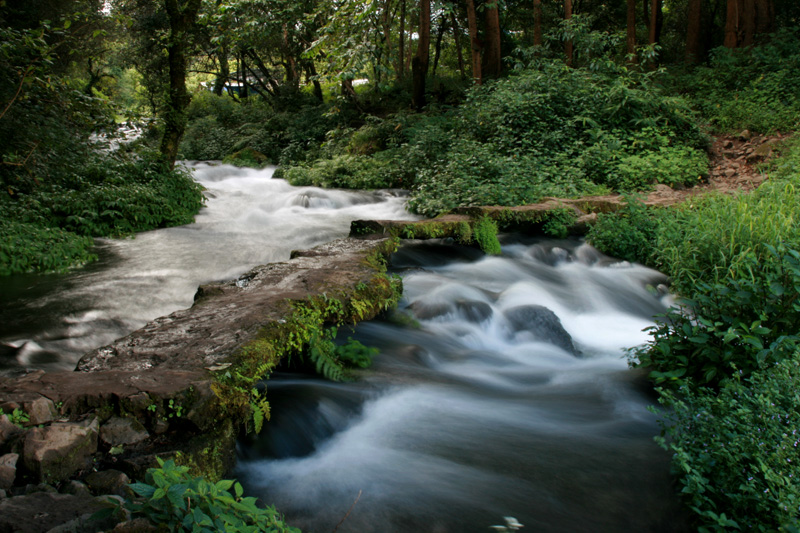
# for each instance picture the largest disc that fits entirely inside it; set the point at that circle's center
(543, 323)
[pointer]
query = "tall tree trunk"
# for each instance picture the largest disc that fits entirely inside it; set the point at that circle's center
(493, 55)
(437, 48)
(747, 16)
(243, 91)
(387, 35)
(537, 22)
(224, 69)
(693, 42)
(182, 17)
(655, 21)
(732, 24)
(765, 15)
(631, 36)
(474, 43)
(457, 38)
(420, 63)
(568, 49)
(311, 73)
(401, 46)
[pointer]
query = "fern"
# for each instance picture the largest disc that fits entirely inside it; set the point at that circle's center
(323, 354)
(260, 409)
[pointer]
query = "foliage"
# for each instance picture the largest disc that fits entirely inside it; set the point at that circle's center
(756, 88)
(735, 452)
(17, 417)
(29, 247)
(485, 234)
(630, 233)
(170, 497)
(732, 327)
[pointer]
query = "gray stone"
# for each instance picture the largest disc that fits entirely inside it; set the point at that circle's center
(75, 488)
(40, 487)
(108, 482)
(543, 324)
(139, 525)
(8, 431)
(120, 431)
(8, 470)
(56, 452)
(42, 511)
(41, 410)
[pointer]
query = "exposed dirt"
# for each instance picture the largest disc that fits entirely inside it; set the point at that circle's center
(734, 167)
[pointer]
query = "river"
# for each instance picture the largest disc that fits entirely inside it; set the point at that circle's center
(501, 387)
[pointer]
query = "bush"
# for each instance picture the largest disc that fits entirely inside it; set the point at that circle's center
(28, 247)
(755, 88)
(628, 234)
(172, 499)
(729, 328)
(735, 452)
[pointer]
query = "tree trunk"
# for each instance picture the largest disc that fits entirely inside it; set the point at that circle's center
(656, 20)
(493, 55)
(537, 22)
(182, 17)
(474, 43)
(401, 46)
(457, 38)
(631, 37)
(437, 48)
(747, 15)
(420, 62)
(311, 72)
(568, 49)
(732, 24)
(224, 70)
(765, 15)
(693, 42)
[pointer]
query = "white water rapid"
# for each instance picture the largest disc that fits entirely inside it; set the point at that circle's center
(490, 407)
(50, 321)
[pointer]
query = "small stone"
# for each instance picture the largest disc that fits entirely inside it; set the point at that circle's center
(727, 144)
(41, 487)
(8, 430)
(139, 525)
(109, 482)
(75, 488)
(8, 470)
(3, 494)
(40, 410)
(745, 135)
(730, 172)
(160, 427)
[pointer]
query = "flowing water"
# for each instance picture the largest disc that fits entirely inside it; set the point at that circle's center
(505, 392)
(510, 397)
(50, 321)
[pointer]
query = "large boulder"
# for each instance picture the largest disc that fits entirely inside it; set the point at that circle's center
(121, 431)
(56, 452)
(43, 511)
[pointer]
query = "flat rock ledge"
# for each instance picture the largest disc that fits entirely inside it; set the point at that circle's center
(177, 388)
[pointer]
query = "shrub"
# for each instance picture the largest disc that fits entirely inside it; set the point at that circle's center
(30, 248)
(735, 452)
(628, 234)
(731, 327)
(172, 499)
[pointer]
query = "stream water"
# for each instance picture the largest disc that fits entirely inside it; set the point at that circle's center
(501, 386)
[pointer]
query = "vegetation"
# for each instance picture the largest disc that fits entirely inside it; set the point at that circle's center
(727, 359)
(171, 498)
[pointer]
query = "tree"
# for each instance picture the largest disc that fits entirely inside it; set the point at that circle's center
(693, 29)
(474, 42)
(537, 22)
(568, 49)
(419, 64)
(631, 31)
(182, 17)
(492, 59)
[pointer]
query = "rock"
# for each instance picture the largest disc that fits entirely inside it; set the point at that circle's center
(745, 135)
(42, 511)
(76, 488)
(3, 494)
(730, 172)
(8, 470)
(109, 482)
(543, 324)
(8, 432)
(139, 525)
(40, 410)
(56, 452)
(474, 311)
(121, 431)
(727, 144)
(40, 487)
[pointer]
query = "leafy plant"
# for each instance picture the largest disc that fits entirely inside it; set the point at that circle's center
(17, 417)
(485, 234)
(630, 233)
(735, 451)
(171, 498)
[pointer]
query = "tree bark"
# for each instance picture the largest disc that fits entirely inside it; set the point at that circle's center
(420, 61)
(401, 46)
(537, 22)
(732, 24)
(568, 49)
(493, 55)
(693, 41)
(457, 38)
(182, 17)
(747, 16)
(631, 36)
(765, 15)
(474, 43)
(437, 48)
